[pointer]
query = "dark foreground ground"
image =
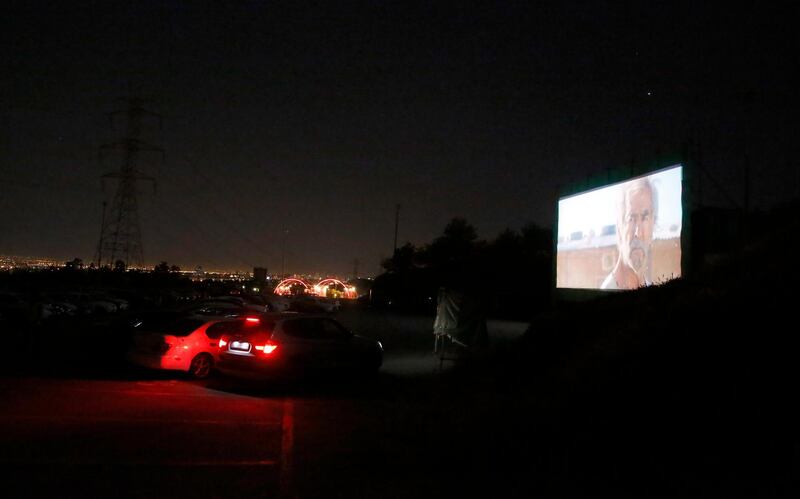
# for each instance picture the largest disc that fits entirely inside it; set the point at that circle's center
(700, 406)
(77, 422)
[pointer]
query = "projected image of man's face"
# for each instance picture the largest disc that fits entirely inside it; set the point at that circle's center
(636, 232)
(625, 235)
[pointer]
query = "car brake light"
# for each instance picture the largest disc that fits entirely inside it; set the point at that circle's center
(222, 343)
(267, 349)
(253, 320)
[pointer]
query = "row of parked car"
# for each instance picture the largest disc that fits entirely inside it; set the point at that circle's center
(234, 306)
(41, 306)
(247, 336)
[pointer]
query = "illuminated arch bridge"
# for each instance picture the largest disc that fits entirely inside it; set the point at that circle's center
(331, 288)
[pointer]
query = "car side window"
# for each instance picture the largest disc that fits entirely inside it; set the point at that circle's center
(333, 330)
(302, 328)
(315, 329)
(215, 331)
(183, 327)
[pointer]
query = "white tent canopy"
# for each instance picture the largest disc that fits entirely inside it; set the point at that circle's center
(461, 318)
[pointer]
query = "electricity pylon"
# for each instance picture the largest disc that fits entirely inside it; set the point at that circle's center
(120, 235)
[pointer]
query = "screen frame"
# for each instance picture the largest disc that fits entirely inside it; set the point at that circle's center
(623, 176)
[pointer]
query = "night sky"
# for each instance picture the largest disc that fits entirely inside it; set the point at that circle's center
(319, 119)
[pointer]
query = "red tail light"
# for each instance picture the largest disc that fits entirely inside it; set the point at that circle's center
(267, 349)
(222, 343)
(253, 320)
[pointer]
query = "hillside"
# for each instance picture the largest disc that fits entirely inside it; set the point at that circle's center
(681, 390)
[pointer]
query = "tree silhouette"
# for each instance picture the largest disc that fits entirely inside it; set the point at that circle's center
(455, 247)
(404, 259)
(74, 264)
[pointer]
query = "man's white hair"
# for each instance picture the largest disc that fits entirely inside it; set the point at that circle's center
(634, 185)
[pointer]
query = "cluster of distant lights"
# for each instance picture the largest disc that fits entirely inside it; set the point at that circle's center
(283, 288)
(8, 262)
(320, 289)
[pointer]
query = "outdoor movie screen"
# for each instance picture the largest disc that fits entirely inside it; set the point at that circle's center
(622, 236)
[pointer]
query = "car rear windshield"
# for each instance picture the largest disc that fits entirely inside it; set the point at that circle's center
(180, 327)
(239, 327)
(315, 329)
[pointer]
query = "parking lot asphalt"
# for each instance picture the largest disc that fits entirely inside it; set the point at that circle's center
(92, 438)
(76, 423)
(68, 437)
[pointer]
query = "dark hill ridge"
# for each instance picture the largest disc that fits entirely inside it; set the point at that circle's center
(681, 390)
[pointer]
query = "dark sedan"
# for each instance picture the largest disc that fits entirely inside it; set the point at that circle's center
(295, 345)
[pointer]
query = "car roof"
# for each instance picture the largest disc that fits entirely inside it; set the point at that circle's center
(291, 315)
(264, 316)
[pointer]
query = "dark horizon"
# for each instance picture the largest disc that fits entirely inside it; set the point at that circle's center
(320, 121)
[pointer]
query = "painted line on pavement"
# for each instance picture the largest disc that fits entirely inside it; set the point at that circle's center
(287, 450)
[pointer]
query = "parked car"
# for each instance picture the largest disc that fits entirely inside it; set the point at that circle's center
(277, 303)
(225, 306)
(60, 305)
(188, 344)
(311, 304)
(216, 308)
(288, 345)
(252, 302)
(92, 303)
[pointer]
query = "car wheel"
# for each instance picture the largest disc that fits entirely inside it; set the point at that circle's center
(201, 365)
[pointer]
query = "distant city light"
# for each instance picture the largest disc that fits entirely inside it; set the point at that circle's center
(326, 288)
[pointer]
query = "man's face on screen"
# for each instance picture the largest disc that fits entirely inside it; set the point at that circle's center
(636, 233)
